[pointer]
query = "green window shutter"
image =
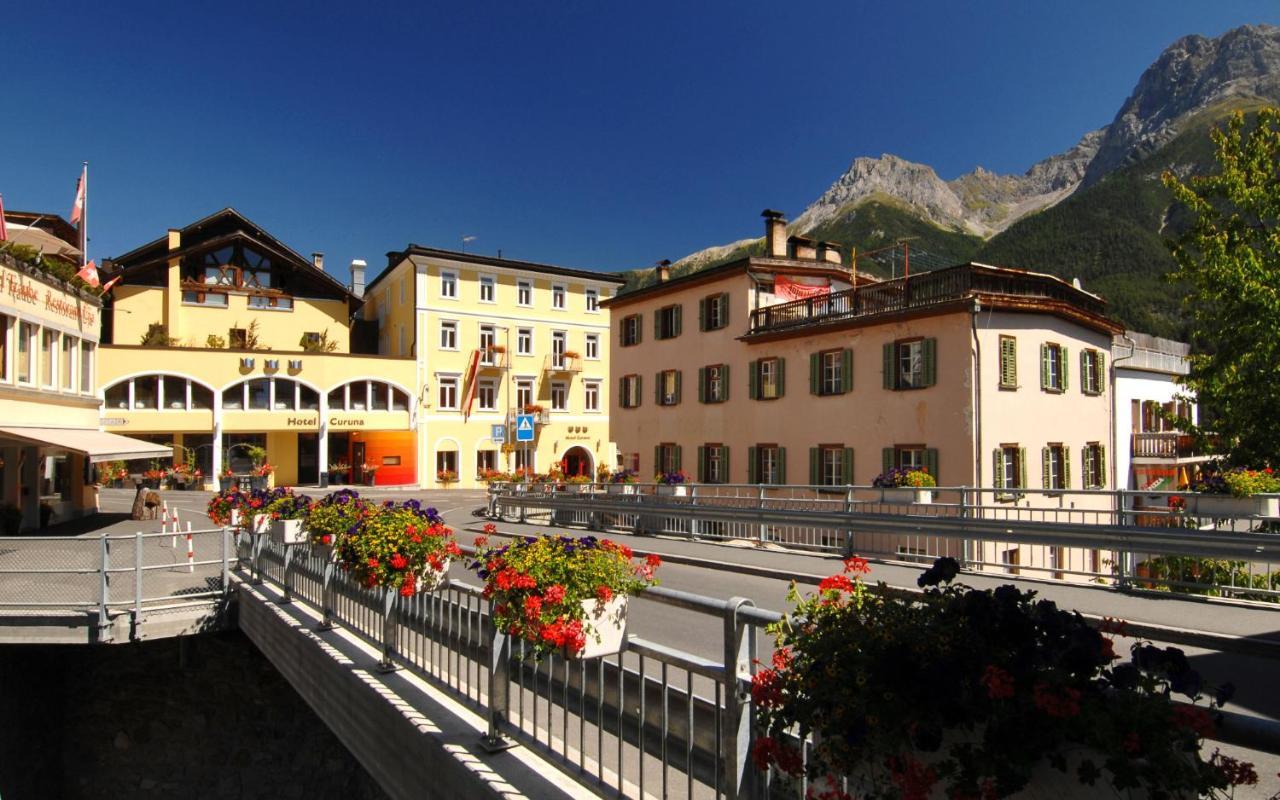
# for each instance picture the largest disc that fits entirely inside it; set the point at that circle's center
(1022, 467)
(702, 384)
(753, 465)
(846, 371)
(657, 388)
(1086, 466)
(1102, 466)
(815, 466)
(889, 382)
(1062, 366)
(702, 464)
(725, 475)
(702, 314)
(1044, 366)
(753, 380)
(1045, 468)
(724, 309)
(930, 348)
(848, 465)
(622, 392)
(931, 463)
(657, 459)
(1084, 372)
(677, 392)
(676, 321)
(639, 327)
(678, 465)
(997, 468)
(657, 324)
(1066, 467)
(782, 375)
(1009, 362)
(639, 390)
(815, 373)
(782, 465)
(1100, 364)
(724, 383)
(887, 455)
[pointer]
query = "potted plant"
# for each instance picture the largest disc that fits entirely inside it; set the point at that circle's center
(623, 481)
(961, 692)
(288, 514)
(263, 476)
(228, 479)
(339, 473)
(671, 482)
(10, 519)
(903, 486)
(252, 510)
(154, 477)
(1237, 492)
(492, 476)
(403, 548)
(335, 517)
(369, 473)
(224, 507)
(447, 477)
(578, 483)
(258, 461)
(564, 595)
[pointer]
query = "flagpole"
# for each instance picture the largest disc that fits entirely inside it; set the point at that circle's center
(84, 219)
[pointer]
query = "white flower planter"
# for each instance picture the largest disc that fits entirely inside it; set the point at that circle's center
(622, 488)
(325, 552)
(261, 523)
(906, 495)
(677, 490)
(287, 531)
(432, 580)
(605, 627)
(235, 518)
(1224, 505)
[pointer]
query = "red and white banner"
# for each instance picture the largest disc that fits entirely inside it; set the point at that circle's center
(106, 287)
(785, 288)
(77, 207)
(470, 382)
(89, 274)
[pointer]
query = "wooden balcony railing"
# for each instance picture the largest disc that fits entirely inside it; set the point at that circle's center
(1167, 444)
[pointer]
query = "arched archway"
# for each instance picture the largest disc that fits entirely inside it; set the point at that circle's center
(577, 461)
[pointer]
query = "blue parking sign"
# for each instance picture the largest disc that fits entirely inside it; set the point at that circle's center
(498, 433)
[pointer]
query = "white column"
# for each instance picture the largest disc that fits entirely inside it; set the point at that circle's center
(322, 450)
(217, 453)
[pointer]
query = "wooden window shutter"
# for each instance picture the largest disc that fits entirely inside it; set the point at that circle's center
(675, 323)
(846, 371)
(1086, 466)
(677, 458)
(1009, 362)
(753, 380)
(847, 463)
(782, 375)
(1102, 466)
(753, 465)
(1022, 467)
(889, 382)
(997, 468)
(930, 351)
(639, 388)
(1100, 364)
(702, 384)
(724, 383)
(1085, 369)
(725, 475)
(622, 393)
(1045, 354)
(1063, 372)
(782, 465)
(724, 309)
(639, 327)
(677, 393)
(1066, 467)
(657, 459)
(1046, 468)
(657, 388)
(815, 373)
(815, 466)
(657, 324)
(702, 464)
(887, 457)
(931, 463)
(702, 314)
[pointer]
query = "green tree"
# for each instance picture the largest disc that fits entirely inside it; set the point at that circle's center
(1229, 263)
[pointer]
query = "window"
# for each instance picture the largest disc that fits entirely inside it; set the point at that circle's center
(233, 397)
(766, 463)
(449, 285)
(524, 393)
(175, 393)
(1093, 376)
(487, 289)
(48, 355)
(146, 393)
(488, 338)
(591, 396)
(831, 372)
(767, 378)
(204, 299)
(1095, 466)
(1055, 467)
(524, 341)
(86, 364)
(487, 395)
(270, 302)
(666, 322)
(447, 461)
(557, 296)
(238, 338)
(1053, 367)
(1009, 469)
(260, 394)
(1008, 362)
(448, 393)
(66, 363)
(666, 457)
(668, 388)
(630, 331)
(593, 346)
(713, 383)
(593, 300)
(486, 461)
(448, 335)
(524, 293)
(713, 312)
(910, 364)
(831, 465)
(559, 396)
(713, 463)
(559, 344)
(26, 335)
(629, 391)
(631, 461)
(910, 456)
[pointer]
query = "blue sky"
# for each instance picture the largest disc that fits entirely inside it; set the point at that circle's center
(602, 135)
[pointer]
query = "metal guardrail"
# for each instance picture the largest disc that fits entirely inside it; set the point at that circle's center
(1099, 537)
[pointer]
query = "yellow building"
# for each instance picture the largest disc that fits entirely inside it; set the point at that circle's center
(221, 338)
(493, 338)
(49, 432)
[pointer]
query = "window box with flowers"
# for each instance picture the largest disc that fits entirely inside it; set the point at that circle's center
(333, 518)
(672, 482)
(905, 486)
(959, 692)
(1237, 492)
(153, 478)
(562, 595)
(288, 514)
(623, 481)
(447, 477)
(404, 548)
(224, 507)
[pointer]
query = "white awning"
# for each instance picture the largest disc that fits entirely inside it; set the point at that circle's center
(97, 445)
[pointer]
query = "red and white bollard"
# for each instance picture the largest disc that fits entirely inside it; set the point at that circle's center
(191, 550)
(173, 520)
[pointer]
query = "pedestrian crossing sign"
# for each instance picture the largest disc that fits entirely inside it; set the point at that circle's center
(524, 427)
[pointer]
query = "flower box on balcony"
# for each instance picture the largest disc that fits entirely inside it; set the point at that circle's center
(605, 627)
(672, 490)
(905, 496)
(1225, 505)
(288, 531)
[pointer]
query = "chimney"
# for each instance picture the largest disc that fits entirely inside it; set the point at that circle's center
(664, 271)
(317, 260)
(829, 252)
(775, 233)
(803, 249)
(357, 277)
(175, 239)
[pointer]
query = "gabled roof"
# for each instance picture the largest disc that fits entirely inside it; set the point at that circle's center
(744, 265)
(396, 256)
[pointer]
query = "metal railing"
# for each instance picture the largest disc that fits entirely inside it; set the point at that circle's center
(1116, 539)
(1168, 444)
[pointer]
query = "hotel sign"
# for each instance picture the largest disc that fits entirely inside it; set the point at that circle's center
(335, 421)
(25, 294)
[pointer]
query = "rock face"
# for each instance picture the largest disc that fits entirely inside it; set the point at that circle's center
(1190, 75)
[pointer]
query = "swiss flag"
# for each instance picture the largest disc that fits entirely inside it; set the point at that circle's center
(4, 234)
(89, 274)
(106, 287)
(77, 208)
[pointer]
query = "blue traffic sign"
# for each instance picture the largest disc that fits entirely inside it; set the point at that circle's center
(524, 427)
(498, 433)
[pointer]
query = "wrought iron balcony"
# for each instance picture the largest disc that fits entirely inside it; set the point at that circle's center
(559, 363)
(494, 361)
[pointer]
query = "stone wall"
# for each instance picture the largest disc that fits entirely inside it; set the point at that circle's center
(201, 717)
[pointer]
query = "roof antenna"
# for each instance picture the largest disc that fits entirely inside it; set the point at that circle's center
(466, 240)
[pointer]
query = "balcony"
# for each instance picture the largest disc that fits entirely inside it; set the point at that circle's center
(1163, 445)
(924, 290)
(562, 364)
(541, 416)
(494, 361)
